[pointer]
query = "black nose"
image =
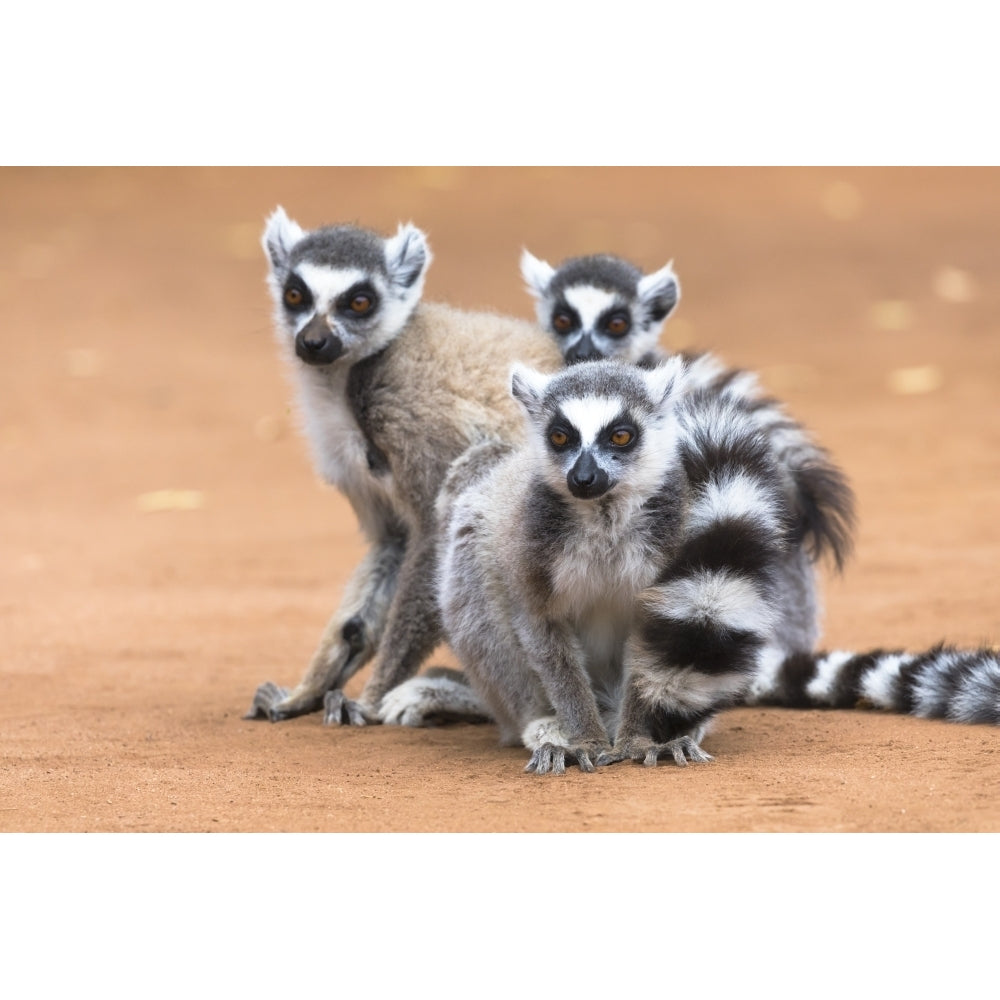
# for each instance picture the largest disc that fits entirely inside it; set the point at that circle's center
(583, 350)
(318, 347)
(587, 480)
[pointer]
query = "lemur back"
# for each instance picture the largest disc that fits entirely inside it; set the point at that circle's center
(390, 391)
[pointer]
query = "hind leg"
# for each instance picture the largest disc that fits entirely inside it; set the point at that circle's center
(348, 642)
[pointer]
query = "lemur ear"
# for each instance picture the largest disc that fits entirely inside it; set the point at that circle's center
(666, 379)
(528, 386)
(659, 292)
(280, 235)
(537, 273)
(407, 256)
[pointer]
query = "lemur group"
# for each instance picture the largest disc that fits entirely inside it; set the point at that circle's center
(617, 542)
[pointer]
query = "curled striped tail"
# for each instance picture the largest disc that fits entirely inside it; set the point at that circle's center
(702, 625)
(821, 497)
(959, 685)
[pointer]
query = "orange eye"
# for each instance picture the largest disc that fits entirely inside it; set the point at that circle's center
(562, 322)
(621, 437)
(360, 304)
(293, 297)
(559, 438)
(617, 326)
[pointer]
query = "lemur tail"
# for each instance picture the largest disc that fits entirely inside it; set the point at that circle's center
(821, 496)
(960, 685)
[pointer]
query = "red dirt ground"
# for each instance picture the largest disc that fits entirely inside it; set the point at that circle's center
(138, 357)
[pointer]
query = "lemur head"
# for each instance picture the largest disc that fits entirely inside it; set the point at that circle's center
(342, 292)
(601, 306)
(602, 427)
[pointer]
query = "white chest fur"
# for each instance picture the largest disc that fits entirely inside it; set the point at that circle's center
(338, 446)
(602, 565)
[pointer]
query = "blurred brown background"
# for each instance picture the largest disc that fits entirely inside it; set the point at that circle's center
(166, 546)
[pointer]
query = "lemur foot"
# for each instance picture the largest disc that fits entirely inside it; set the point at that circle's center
(551, 759)
(275, 703)
(430, 700)
(682, 749)
(339, 710)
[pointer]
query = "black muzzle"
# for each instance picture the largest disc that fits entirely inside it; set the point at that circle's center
(317, 345)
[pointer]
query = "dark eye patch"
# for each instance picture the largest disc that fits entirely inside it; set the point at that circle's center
(358, 301)
(562, 435)
(621, 434)
(565, 319)
(615, 322)
(296, 296)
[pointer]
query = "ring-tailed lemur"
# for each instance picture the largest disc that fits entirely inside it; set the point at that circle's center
(390, 392)
(603, 306)
(634, 569)
(613, 580)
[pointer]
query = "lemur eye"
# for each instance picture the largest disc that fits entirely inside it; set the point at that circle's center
(562, 322)
(559, 439)
(357, 301)
(622, 437)
(293, 297)
(617, 325)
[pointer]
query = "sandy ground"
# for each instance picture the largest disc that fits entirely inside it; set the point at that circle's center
(138, 358)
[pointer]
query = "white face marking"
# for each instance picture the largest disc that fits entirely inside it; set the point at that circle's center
(590, 415)
(589, 303)
(730, 600)
(328, 284)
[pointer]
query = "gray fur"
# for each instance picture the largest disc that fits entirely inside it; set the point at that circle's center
(342, 247)
(816, 488)
(606, 271)
(645, 301)
(543, 594)
(413, 387)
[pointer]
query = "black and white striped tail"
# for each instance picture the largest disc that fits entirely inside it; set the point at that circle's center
(703, 625)
(960, 685)
(822, 498)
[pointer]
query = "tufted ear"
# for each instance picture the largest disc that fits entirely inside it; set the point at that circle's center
(280, 235)
(659, 292)
(665, 380)
(528, 387)
(407, 256)
(537, 274)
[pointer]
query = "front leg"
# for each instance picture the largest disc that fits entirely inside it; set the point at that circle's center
(348, 642)
(576, 731)
(656, 724)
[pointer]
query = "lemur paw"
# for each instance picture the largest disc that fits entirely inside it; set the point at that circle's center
(275, 703)
(551, 759)
(339, 710)
(682, 749)
(430, 701)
